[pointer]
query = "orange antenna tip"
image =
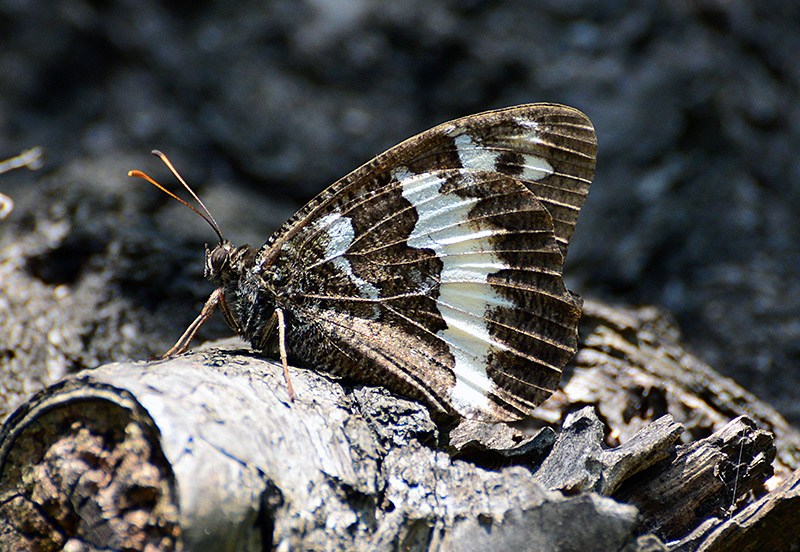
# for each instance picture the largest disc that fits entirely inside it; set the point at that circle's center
(206, 217)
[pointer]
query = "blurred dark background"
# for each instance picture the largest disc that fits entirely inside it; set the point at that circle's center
(260, 105)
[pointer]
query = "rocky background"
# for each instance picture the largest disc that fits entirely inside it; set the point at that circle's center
(260, 105)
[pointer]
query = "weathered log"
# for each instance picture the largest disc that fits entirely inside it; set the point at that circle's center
(632, 366)
(771, 523)
(702, 479)
(579, 462)
(206, 451)
(231, 464)
(674, 488)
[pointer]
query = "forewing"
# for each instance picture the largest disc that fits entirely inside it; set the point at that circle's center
(551, 148)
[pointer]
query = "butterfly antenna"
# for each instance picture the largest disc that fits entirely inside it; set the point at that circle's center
(208, 217)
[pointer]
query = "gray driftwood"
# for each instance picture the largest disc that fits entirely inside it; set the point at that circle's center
(243, 467)
(205, 452)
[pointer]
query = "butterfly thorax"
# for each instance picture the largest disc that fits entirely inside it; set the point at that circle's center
(231, 269)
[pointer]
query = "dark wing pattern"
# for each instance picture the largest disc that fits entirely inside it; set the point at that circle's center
(435, 269)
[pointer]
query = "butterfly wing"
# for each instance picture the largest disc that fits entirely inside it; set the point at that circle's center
(435, 269)
(551, 148)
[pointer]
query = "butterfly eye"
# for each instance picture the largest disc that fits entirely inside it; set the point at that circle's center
(218, 259)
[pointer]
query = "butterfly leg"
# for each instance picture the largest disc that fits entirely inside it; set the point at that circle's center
(227, 315)
(282, 351)
(208, 309)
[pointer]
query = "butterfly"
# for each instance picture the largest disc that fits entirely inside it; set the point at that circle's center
(435, 269)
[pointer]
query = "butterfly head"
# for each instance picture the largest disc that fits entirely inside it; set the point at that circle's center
(226, 262)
